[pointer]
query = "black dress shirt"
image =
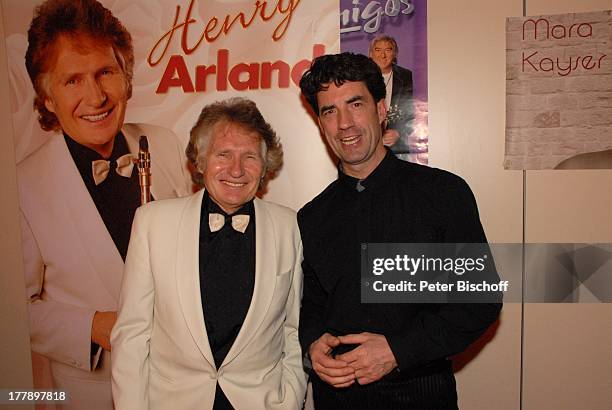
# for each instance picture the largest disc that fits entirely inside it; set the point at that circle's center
(398, 202)
(227, 279)
(117, 197)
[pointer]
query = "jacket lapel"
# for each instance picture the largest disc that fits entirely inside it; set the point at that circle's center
(265, 280)
(91, 232)
(188, 274)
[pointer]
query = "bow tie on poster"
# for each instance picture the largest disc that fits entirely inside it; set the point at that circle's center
(101, 167)
(239, 222)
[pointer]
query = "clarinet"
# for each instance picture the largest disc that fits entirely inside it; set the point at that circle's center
(144, 170)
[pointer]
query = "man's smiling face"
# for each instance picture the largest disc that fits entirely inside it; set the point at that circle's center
(87, 91)
(233, 165)
(351, 122)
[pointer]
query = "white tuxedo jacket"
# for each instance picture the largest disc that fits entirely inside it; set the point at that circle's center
(161, 354)
(71, 264)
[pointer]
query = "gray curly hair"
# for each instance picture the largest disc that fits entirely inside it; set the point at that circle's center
(241, 111)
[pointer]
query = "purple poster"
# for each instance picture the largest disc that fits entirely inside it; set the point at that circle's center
(394, 34)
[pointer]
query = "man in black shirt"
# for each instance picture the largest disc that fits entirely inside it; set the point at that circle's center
(377, 355)
(211, 293)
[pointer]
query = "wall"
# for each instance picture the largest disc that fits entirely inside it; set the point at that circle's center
(567, 346)
(566, 354)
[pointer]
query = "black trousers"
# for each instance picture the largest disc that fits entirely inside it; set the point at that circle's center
(432, 390)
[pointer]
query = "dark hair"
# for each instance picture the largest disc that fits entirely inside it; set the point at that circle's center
(338, 69)
(239, 111)
(72, 18)
(388, 39)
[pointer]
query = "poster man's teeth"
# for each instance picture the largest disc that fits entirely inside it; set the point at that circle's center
(94, 118)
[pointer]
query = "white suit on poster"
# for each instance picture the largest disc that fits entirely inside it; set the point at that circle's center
(72, 266)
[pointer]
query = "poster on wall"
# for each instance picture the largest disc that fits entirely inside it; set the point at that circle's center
(559, 91)
(394, 34)
(192, 52)
(91, 88)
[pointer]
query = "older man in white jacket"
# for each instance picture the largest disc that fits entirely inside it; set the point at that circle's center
(211, 293)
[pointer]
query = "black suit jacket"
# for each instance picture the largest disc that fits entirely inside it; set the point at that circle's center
(402, 108)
